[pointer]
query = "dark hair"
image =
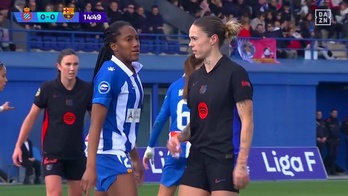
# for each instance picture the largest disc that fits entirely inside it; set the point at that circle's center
(2, 65)
(62, 54)
(213, 25)
(190, 66)
(110, 35)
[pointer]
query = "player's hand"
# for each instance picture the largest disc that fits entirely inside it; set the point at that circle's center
(241, 176)
(173, 146)
(17, 157)
(149, 155)
(6, 106)
(88, 180)
(138, 172)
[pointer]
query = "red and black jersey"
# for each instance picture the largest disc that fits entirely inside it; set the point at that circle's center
(212, 99)
(62, 129)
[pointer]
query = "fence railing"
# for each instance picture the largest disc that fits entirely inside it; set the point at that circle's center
(47, 40)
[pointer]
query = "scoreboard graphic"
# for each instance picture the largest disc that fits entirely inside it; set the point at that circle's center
(67, 16)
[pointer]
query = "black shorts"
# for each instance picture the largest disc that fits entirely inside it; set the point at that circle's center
(70, 169)
(207, 173)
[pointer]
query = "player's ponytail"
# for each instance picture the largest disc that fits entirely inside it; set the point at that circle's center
(105, 54)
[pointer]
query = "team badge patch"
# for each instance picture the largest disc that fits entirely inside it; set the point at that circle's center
(38, 92)
(103, 87)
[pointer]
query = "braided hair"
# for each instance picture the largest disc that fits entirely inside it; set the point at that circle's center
(110, 35)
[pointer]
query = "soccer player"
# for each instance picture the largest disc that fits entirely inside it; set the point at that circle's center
(65, 101)
(113, 163)
(174, 106)
(3, 80)
(213, 93)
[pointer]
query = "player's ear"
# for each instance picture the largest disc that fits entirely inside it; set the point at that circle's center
(113, 47)
(58, 66)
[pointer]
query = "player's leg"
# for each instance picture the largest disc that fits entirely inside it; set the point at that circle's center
(114, 176)
(171, 175)
(194, 181)
(53, 172)
(220, 176)
(73, 171)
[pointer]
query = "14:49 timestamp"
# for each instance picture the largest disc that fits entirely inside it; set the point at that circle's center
(93, 17)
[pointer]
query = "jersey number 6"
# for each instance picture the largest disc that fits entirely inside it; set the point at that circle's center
(181, 115)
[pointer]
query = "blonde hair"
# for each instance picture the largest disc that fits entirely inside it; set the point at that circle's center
(232, 28)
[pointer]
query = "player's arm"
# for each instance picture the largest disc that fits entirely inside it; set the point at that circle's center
(27, 125)
(245, 111)
(243, 93)
(185, 134)
(161, 119)
(40, 102)
(104, 87)
(134, 155)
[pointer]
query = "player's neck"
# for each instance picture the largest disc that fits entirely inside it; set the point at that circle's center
(68, 84)
(212, 60)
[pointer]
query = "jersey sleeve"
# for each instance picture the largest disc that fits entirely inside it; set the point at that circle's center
(241, 85)
(104, 86)
(161, 119)
(40, 99)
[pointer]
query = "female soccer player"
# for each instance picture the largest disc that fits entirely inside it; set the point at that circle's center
(3, 80)
(174, 106)
(116, 109)
(65, 101)
(213, 92)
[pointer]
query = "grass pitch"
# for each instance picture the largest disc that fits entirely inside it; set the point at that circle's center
(282, 188)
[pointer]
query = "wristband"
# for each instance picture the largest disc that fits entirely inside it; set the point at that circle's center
(1, 108)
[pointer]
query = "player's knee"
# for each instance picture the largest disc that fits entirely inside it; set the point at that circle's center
(53, 191)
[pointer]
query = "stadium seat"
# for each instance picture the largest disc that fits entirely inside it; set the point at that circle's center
(62, 43)
(146, 46)
(35, 42)
(160, 47)
(48, 43)
(78, 43)
(90, 44)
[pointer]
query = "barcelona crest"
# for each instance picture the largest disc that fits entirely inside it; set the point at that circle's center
(68, 12)
(26, 14)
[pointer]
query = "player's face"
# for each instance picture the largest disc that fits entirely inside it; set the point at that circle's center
(199, 42)
(69, 66)
(127, 47)
(3, 78)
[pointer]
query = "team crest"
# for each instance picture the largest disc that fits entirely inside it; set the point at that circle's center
(203, 89)
(26, 14)
(68, 12)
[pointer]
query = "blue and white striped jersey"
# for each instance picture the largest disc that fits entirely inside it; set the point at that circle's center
(120, 90)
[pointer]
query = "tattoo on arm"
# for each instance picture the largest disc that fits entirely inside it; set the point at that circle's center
(185, 135)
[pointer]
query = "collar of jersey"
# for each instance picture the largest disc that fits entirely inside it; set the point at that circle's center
(136, 65)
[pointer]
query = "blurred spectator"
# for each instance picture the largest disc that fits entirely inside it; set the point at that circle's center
(129, 15)
(18, 6)
(321, 132)
(243, 8)
(142, 24)
(36, 26)
(259, 31)
(4, 7)
(334, 130)
(272, 6)
(285, 11)
(269, 18)
(245, 29)
(4, 36)
(177, 3)
(155, 21)
(307, 27)
(123, 4)
(229, 8)
(260, 7)
(215, 7)
(192, 7)
(260, 19)
(113, 13)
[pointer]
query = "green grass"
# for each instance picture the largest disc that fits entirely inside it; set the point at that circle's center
(284, 188)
